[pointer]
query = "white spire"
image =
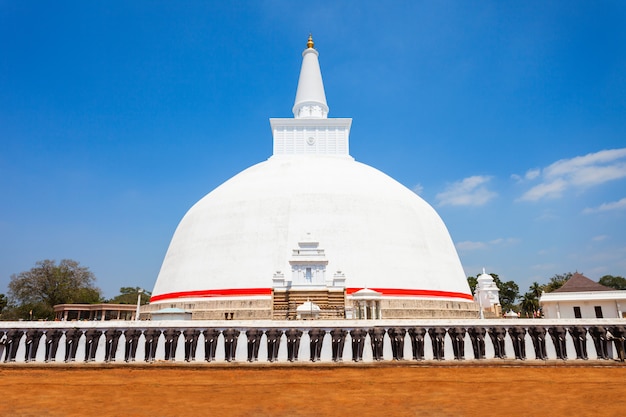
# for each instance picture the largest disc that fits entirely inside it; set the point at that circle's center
(310, 97)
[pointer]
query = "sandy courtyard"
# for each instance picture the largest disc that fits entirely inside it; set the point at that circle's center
(389, 389)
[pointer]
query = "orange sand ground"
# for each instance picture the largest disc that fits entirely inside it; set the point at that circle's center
(386, 389)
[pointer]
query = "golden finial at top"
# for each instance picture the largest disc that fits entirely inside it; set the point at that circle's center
(310, 43)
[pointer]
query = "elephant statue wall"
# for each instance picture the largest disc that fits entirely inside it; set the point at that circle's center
(518, 337)
(210, 343)
(558, 334)
(130, 346)
(438, 338)
(538, 336)
(417, 342)
(230, 344)
(618, 334)
(598, 334)
(191, 343)
(171, 342)
(338, 339)
(457, 336)
(72, 337)
(477, 336)
(151, 337)
(33, 336)
(254, 340)
(112, 338)
(316, 340)
(497, 335)
(92, 337)
(358, 343)
(579, 336)
(396, 335)
(273, 343)
(13, 337)
(377, 339)
(52, 344)
(293, 343)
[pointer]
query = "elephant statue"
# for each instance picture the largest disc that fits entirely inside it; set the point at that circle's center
(618, 334)
(477, 336)
(12, 343)
(518, 337)
(293, 343)
(191, 343)
(358, 343)
(558, 334)
(33, 336)
(396, 335)
(538, 336)
(417, 342)
(457, 336)
(52, 344)
(112, 338)
(92, 337)
(132, 340)
(171, 342)
(151, 342)
(497, 335)
(230, 344)
(273, 343)
(72, 336)
(598, 334)
(254, 341)
(438, 337)
(579, 336)
(210, 343)
(377, 339)
(338, 338)
(317, 339)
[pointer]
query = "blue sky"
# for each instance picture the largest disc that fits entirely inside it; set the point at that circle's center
(508, 117)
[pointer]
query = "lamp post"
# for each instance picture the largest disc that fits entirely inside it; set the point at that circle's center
(139, 292)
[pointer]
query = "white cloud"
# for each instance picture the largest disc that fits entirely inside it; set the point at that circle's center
(418, 189)
(599, 238)
(581, 171)
(469, 245)
(616, 205)
(470, 191)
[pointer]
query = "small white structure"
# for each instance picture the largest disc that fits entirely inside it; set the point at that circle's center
(171, 314)
(367, 304)
(580, 298)
(487, 296)
(308, 311)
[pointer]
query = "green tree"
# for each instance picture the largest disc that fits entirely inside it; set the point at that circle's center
(536, 289)
(529, 304)
(128, 295)
(509, 292)
(4, 301)
(49, 284)
(619, 283)
(473, 282)
(557, 281)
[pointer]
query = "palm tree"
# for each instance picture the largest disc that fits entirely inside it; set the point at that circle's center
(529, 304)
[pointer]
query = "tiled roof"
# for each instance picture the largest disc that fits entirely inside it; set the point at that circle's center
(580, 283)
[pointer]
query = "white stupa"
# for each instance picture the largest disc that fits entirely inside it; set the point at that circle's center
(311, 223)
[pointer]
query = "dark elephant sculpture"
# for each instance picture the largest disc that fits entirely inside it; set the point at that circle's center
(598, 335)
(477, 336)
(377, 339)
(92, 337)
(33, 337)
(518, 337)
(231, 336)
(12, 343)
(151, 343)
(72, 337)
(498, 335)
(273, 343)
(316, 337)
(171, 342)
(132, 340)
(293, 343)
(191, 343)
(254, 341)
(52, 344)
(338, 339)
(210, 343)
(457, 337)
(579, 336)
(417, 342)
(558, 334)
(538, 336)
(396, 335)
(618, 335)
(358, 343)
(112, 338)
(438, 337)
